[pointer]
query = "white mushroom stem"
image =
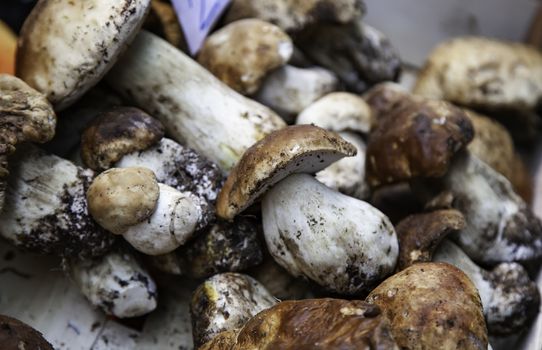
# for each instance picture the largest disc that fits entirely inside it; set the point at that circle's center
(173, 222)
(289, 90)
(342, 243)
(347, 175)
(507, 293)
(196, 108)
(117, 284)
(500, 226)
(46, 208)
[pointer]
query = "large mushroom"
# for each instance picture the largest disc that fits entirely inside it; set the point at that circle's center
(430, 306)
(310, 229)
(311, 324)
(195, 107)
(25, 115)
(66, 47)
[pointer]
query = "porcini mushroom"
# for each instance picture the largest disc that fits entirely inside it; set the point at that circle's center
(310, 229)
(502, 79)
(288, 90)
(357, 53)
(312, 324)
(154, 218)
(432, 305)
(510, 298)
(225, 302)
(351, 117)
(25, 115)
(117, 284)
(195, 107)
(46, 208)
(66, 47)
(242, 53)
(15, 335)
(292, 15)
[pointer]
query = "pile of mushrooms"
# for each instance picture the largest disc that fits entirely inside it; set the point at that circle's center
(256, 171)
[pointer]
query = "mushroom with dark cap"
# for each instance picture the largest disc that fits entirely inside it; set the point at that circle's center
(432, 306)
(225, 302)
(312, 324)
(25, 115)
(502, 79)
(415, 138)
(66, 47)
(311, 230)
(242, 53)
(294, 15)
(357, 53)
(16, 335)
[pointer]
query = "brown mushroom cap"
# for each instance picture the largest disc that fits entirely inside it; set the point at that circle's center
(16, 335)
(242, 53)
(122, 197)
(294, 149)
(25, 115)
(117, 132)
(420, 234)
(314, 324)
(432, 306)
(416, 138)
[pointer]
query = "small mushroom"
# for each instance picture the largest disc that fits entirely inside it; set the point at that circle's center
(499, 78)
(66, 47)
(420, 234)
(510, 298)
(415, 138)
(16, 335)
(500, 226)
(225, 302)
(383, 98)
(357, 53)
(289, 90)
(310, 229)
(242, 53)
(351, 117)
(154, 218)
(312, 324)
(117, 284)
(294, 15)
(25, 115)
(432, 306)
(46, 209)
(196, 108)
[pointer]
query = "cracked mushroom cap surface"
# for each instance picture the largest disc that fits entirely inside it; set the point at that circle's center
(417, 138)
(313, 324)
(432, 306)
(15, 334)
(242, 53)
(294, 149)
(483, 73)
(65, 47)
(420, 234)
(117, 132)
(25, 115)
(122, 197)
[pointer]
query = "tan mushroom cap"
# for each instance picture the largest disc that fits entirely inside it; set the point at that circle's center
(117, 132)
(66, 47)
(420, 234)
(25, 115)
(313, 324)
(122, 197)
(417, 137)
(15, 334)
(242, 53)
(294, 149)
(432, 306)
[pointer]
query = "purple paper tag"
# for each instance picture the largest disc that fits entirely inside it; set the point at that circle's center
(197, 17)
